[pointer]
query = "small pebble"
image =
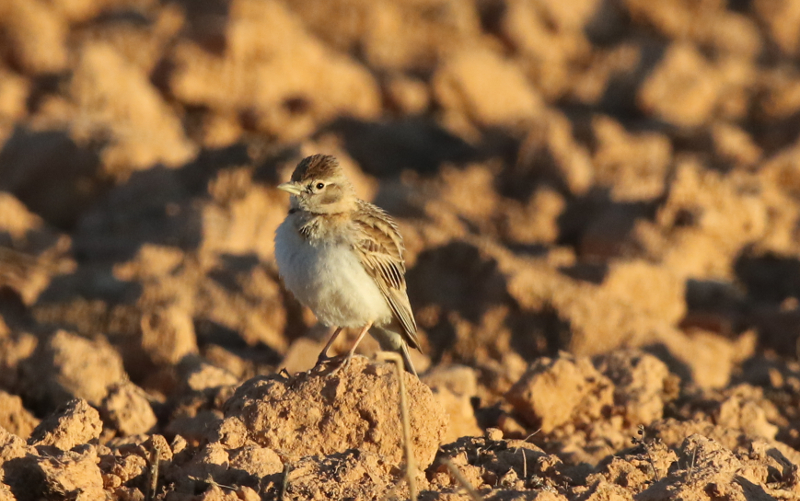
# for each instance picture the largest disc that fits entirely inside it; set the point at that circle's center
(494, 434)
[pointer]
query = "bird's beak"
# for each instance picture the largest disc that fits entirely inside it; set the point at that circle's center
(291, 188)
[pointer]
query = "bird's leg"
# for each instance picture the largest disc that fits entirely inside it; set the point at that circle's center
(352, 350)
(323, 356)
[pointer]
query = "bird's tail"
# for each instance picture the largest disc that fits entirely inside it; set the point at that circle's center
(407, 360)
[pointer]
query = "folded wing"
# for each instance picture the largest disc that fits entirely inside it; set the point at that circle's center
(381, 252)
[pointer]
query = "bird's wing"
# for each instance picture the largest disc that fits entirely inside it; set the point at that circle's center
(380, 249)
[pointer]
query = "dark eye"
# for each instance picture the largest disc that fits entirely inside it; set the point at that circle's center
(320, 186)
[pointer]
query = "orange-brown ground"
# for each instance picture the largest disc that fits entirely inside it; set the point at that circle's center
(600, 200)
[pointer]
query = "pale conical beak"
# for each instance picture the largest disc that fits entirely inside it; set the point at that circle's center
(291, 188)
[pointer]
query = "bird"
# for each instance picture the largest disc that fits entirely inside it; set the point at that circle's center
(343, 258)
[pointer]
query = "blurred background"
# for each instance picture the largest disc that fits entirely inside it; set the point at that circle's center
(575, 176)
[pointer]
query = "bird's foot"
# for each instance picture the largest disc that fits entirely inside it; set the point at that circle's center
(344, 364)
(324, 359)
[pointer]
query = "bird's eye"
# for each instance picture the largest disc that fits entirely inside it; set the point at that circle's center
(320, 186)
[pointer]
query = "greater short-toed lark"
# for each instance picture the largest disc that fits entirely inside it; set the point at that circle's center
(343, 258)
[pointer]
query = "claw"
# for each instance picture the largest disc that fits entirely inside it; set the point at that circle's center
(325, 360)
(343, 365)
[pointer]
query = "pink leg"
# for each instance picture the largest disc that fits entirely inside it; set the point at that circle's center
(352, 351)
(323, 356)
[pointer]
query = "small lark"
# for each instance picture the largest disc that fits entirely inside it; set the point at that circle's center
(343, 258)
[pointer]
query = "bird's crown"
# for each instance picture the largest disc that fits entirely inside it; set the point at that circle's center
(316, 167)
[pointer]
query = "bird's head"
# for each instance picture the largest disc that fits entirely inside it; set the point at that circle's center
(319, 186)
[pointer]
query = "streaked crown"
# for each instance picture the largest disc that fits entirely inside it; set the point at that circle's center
(317, 167)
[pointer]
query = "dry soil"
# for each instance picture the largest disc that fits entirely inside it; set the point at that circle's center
(600, 201)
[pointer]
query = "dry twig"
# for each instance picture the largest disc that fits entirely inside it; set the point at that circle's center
(410, 466)
(473, 494)
(152, 472)
(285, 481)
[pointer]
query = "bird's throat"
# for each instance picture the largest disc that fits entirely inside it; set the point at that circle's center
(322, 227)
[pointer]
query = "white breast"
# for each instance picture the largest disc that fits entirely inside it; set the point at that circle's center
(329, 279)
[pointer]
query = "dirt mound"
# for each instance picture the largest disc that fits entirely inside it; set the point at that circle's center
(357, 408)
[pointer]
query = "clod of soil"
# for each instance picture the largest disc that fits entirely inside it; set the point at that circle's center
(68, 366)
(14, 417)
(127, 410)
(74, 424)
(554, 392)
